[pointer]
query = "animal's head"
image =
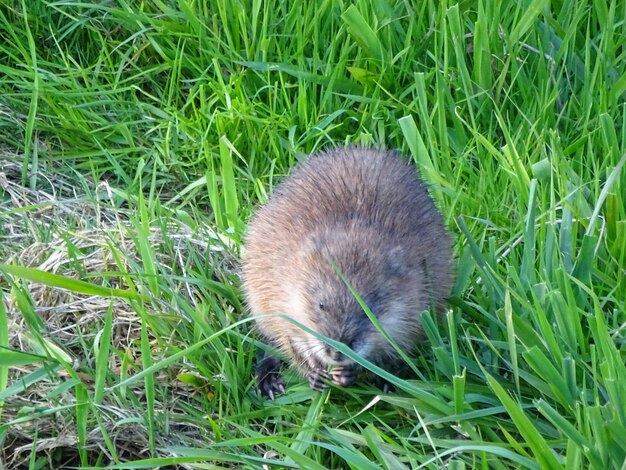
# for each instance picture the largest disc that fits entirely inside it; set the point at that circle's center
(380, 273)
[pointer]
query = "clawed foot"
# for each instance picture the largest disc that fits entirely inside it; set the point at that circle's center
(318, 379)
(383, 385)
(268, 377)
(343, 375)
(270, 381)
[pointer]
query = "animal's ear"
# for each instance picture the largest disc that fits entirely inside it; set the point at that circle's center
(399, 262)
(318, 245)
(312, 247)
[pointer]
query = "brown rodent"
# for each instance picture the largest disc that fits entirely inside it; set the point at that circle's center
(368, 213)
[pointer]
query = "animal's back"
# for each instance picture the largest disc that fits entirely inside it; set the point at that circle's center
(375, 186)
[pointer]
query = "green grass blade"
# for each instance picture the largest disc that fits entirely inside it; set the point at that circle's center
(102, 345)
(54, 280)
(530, 13)
(364, 34)
(536, 442)
(4, 343)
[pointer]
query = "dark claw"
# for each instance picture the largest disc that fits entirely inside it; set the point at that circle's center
(318, 379)
(268, 377)
(383, 385)
(343, 375)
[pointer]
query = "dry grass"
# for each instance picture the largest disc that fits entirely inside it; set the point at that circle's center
(58, 230)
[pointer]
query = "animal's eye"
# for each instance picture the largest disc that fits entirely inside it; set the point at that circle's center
(321, 305)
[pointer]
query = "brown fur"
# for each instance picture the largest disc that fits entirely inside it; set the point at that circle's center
(368, 212)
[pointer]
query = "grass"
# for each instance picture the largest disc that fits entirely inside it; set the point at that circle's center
(136, 139)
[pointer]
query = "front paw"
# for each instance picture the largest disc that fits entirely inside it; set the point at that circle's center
(343, 375)
(268, 377)
(318, 379)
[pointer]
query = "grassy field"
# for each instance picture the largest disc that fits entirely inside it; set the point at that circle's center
(136, 138)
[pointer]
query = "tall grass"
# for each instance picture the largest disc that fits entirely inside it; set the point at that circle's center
(137, 138)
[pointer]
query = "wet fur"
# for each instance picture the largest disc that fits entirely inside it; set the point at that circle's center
(367, 212)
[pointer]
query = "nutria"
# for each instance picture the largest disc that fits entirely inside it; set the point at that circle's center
(365, 214)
